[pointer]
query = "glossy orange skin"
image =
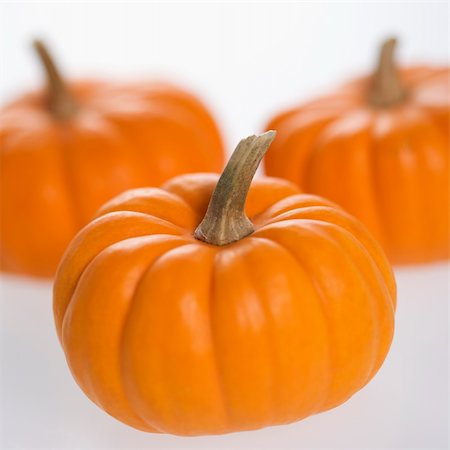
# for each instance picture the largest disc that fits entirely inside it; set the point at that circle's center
(170, 334)
(387, 166)
(55, 174)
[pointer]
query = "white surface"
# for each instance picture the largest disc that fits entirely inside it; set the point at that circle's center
(247, 60)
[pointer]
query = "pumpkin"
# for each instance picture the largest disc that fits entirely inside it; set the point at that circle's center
(379, 147)
(181, 312)
(69, 148)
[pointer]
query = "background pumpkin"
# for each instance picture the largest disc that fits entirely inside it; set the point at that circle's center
(233, 325)
(379, 147)
(67, 149)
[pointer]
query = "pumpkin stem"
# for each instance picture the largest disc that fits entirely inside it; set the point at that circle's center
(60, 102)
(225, 220)
(386, 89)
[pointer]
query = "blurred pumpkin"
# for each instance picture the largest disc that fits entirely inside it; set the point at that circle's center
(233, 325)
(379, 147)
(69, 148)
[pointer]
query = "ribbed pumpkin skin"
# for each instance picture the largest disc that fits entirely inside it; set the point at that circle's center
(387, 166)
(169, 334)
(54, 174)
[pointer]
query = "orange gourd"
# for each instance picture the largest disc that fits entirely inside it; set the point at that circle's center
(249, 319)
(68, 149)
(379, 147)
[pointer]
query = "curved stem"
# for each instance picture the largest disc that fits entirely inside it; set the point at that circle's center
(225, 220)
(386, 89)
(60, 102)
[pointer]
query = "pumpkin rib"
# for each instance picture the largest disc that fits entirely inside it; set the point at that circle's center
(354, 207)
(69, 177)
(380, 283)
(186, 186)
(333, 140)
(269, 342)
(204, 144)
(421, 153)
(313, 229)
(322, 298)
(408, 199)
(283, 147)
(243, 304)
(374, 250)
(176, 98)
(183, 107)
(153, 218)
(264, 193)
(209, 280)
(139, 153)
(135, 152)
(297, 203)
(362, 275)
(375, 184)
(219, 366)
(200, 110)
(268, 318)
(289, 254)
(110, 221)
(424, 214)
(69, 291)
(126, 201)
(433, 188)
(426, 75)
(414, 199)
(207, 136)
(287, 215)
(213, 353)
(90, 380)
(65, 150)
(433, 119)
(96, 145)
(125, 325)
(169, 407)
(20, 248)
(327, 404)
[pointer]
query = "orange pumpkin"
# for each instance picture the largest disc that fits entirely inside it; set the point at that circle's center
(379, 147)
(68, 149)
(234, 324)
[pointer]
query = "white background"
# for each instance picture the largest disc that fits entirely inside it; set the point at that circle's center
(247, 60)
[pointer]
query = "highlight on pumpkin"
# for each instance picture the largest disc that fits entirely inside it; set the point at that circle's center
(378, 146)
(256, 265)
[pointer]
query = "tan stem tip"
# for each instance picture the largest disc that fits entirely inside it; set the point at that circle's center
(386, 88)
(60, 102)
(225, 220)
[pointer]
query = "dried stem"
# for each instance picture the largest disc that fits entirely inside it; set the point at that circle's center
(386, 89)
(60, 102)
(225, 220)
